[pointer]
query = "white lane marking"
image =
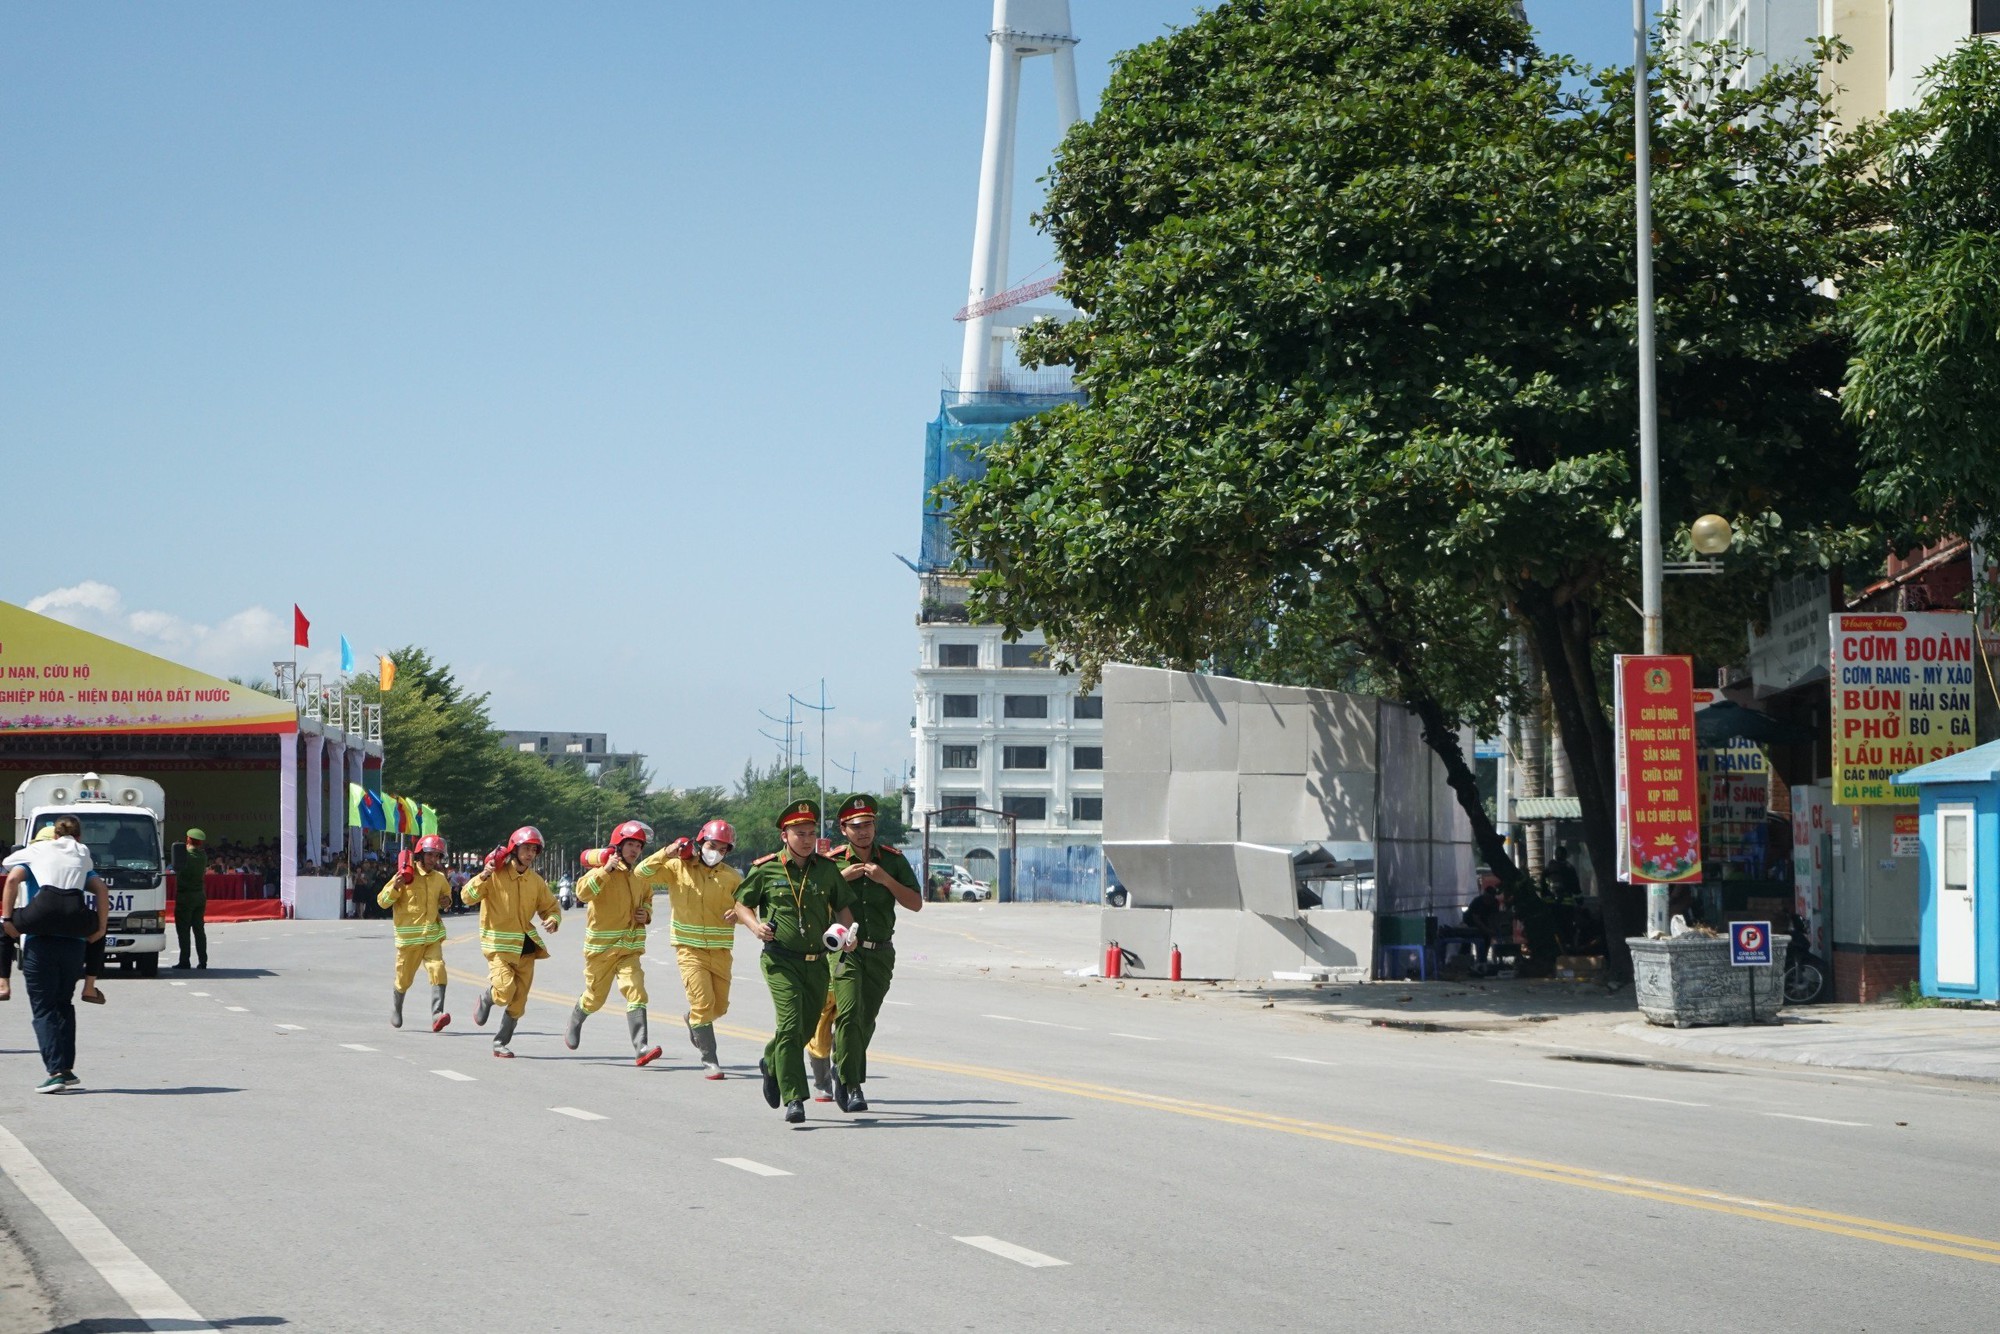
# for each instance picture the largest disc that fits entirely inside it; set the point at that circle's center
(1137, 1037)
(890, 1002)
(357, 1046)
(130, 1277)
(1008, 1250)
(1013, 1019)
(1816, 1120)
(453, 1074)
(176, 984)
(1597, 1093)
(1304, 1060)
(576, 1112)
(203, 994)
(294, 1028)
(755, 1168)
(237, 1009)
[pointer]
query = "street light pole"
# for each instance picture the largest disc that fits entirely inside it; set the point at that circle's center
(1649, 389)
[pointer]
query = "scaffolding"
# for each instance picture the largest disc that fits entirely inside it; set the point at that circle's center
(955, 444)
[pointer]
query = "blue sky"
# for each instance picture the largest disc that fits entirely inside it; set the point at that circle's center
(589, 348)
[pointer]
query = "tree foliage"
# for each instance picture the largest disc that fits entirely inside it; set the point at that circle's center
(1357, 340)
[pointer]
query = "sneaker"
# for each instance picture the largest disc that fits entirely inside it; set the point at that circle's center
(855, 1102)
(647, 1057)
(770, 1081)
(69, 1079)
(711, 1072)
(503, 1053)
(439, 1024)
(53, 1084)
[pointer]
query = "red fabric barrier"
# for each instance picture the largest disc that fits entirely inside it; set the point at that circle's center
(238, 910)
(223, 885)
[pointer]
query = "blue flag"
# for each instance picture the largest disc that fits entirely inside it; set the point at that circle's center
(346, 655)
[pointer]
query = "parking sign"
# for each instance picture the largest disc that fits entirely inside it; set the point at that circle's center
(1750, 944)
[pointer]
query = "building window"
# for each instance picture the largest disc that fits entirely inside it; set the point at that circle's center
(961, 706)
(1024, 757)
(1087, 757)
(544, 747)
(1026, 808)
(956, 810)
(1024, 655)
(1985, 16)
(958, 655)
(961, 757)
(1027, 706)
(1086, 808)
(1089, 706)
(590, 745)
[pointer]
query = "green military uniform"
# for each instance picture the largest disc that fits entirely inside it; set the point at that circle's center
(799, 901)
(861, 979)
(191, 897)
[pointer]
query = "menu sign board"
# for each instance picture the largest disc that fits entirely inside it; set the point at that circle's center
(1902, 696)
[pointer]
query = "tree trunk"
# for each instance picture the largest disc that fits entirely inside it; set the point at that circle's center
(1562, 637)
(1441, 735)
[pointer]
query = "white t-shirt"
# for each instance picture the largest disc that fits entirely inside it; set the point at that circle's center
(61, 863)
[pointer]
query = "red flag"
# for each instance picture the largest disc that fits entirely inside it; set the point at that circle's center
(300, 625)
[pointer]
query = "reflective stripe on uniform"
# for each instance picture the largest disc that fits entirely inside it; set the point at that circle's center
(423, 933)
(704, 937)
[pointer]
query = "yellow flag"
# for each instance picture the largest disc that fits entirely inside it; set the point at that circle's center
(388, 675)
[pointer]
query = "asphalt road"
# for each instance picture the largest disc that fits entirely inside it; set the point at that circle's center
(258, 1146)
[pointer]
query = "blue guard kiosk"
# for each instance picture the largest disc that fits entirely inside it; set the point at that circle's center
(1958, 873)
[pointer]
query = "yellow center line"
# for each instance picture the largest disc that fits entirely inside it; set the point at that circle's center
(1562, 1174)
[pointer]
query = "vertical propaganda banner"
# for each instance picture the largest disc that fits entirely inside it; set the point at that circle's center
(1659, 826)
(1902, 696)
(1810, 830)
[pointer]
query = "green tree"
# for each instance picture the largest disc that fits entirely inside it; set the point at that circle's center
(1357, 333)
(1923, 389)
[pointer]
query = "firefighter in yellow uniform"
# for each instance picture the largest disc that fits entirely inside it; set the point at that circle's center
(701, 888)
(416, 894)
(510, 895)
(614, 936)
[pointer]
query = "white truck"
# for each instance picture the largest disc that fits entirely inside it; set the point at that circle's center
(123, 819)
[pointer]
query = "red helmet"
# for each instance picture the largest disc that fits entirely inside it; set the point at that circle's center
(526, 835)
(631, 829)
(430, 843)
(717, 831)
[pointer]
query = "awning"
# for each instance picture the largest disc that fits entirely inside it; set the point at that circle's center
(1548, 808)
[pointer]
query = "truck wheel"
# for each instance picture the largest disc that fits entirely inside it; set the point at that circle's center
(148, 965)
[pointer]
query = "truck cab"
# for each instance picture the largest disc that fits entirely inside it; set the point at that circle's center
(123, 821)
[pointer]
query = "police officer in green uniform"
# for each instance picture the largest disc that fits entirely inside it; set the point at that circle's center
(788, 901)
(881, 878)
(191, 896)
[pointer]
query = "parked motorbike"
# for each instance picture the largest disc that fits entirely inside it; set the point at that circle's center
(1807, 978)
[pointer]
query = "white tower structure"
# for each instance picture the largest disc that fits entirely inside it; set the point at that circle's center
(1022, 30)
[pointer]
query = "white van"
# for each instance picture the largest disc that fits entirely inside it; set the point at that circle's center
(123, 818)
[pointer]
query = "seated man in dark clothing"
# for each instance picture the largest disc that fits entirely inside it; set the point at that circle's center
(1481, 924)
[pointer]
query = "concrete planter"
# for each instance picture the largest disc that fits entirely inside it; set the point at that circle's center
(1689, 981)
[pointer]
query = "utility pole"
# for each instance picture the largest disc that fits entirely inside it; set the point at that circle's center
(790, 726)
(822, 708)
(1649, 390)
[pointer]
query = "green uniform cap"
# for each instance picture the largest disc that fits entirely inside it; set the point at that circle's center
(197, 836)
(803, 811)
(858, 805)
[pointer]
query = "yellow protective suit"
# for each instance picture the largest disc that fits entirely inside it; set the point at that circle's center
(419, 934)
(509, 901)
(614, 936)
(703, 938)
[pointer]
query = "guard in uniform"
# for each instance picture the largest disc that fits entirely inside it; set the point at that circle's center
(701, 888)
(614, 936)
(510, 895)
(881, 878)
(416, 894)
(191, 897)
(788, 901)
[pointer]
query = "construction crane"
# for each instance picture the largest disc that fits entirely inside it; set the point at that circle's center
(1013, 296)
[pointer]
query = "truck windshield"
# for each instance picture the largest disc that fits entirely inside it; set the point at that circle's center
(122, 846)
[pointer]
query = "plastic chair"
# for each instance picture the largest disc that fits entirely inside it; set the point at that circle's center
(1420, 953)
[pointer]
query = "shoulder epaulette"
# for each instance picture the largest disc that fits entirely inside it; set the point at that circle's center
(884, 847)
(767, 857)
(841, 851)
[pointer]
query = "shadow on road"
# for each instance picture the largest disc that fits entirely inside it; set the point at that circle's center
(123, 1324)
(205, 974)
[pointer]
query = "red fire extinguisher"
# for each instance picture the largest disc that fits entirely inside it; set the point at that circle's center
(1174, 965)
(1114, 960)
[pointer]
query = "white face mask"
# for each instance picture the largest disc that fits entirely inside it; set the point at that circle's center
(710, 857)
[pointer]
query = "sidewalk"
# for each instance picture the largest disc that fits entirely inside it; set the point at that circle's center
(1939, 1044)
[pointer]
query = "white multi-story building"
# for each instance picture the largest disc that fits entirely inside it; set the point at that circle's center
(1000, 734)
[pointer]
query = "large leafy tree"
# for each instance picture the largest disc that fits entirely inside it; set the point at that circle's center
(1357, 334)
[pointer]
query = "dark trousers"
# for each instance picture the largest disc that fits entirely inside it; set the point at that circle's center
(860, 984)
(93, 956)
(188, 915)
(50, 969)
(7, 951)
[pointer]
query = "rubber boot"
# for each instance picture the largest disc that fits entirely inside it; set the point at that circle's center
(574, 1034)
(704, 1042)
(396, 1012)
(483, 1008)
(694, 1034)
(504, 1036)
(822, 1078)
(644, 1053)
(439, 1016)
